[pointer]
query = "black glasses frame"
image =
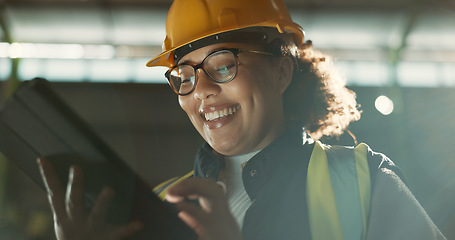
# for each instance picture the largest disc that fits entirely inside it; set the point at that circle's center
(234, 51)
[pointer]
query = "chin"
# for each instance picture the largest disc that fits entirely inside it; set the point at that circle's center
(224, 148)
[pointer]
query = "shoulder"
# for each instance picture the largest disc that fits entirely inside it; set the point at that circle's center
(380, 163)
(376, 161)
(395, 213)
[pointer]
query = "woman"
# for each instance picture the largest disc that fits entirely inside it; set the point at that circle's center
(253, 90)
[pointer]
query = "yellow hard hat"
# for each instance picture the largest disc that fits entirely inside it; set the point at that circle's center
(192, 20)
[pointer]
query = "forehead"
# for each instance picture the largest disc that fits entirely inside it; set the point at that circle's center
(198, 55)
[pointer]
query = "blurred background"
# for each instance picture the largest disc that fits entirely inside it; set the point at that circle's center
(398, 55)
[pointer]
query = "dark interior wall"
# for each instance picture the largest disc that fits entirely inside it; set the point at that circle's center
(142, 122)
(145, 125)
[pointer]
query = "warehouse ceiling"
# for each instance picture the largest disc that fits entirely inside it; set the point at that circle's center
(381, 31)
(289, 3)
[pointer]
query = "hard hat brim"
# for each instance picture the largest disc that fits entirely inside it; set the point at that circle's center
(166, 58)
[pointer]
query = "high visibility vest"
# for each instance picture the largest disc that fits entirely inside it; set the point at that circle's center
(338, 191)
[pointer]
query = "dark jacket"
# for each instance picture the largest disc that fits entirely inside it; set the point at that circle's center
(275, 180)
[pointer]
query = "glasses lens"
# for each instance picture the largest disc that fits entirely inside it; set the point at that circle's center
(182, 79)
(221, 66)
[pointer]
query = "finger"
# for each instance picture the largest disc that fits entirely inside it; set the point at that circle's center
(97, 216)
(209, 225)
(193, 210)
(197, 227)
(54, 189)
(127, 230)
(205, 203)
(204, 187)
(174, 198)
(194, 217)
(75, 205)
(211, 193)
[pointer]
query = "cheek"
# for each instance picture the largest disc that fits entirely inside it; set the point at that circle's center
(188, 105)
(258, 82)
(182, 102)
(185, 104)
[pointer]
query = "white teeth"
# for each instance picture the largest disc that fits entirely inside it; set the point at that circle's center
(221, 113)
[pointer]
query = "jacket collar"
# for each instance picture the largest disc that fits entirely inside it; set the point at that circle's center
(209, 164)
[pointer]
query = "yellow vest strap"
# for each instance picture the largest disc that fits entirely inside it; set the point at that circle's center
(162, 188)
(338, 192)
(364, 180)
(322, 208)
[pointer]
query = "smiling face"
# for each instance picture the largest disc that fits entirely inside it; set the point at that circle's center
(245, 114)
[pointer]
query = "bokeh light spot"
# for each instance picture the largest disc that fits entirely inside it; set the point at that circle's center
(384, 105)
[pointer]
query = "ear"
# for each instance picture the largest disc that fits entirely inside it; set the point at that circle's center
(285, 71)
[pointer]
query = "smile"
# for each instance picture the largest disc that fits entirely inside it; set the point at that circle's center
(215, 115)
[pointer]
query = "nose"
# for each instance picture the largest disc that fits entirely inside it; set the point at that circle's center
(205, 86)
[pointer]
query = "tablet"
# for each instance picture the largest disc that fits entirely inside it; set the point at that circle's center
(35, 122)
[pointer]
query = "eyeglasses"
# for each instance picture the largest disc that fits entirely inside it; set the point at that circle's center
(221, 67)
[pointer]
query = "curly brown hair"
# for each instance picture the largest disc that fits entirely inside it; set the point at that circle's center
(317, 96)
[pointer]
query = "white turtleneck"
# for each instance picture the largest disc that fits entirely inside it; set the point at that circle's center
(238, 199)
